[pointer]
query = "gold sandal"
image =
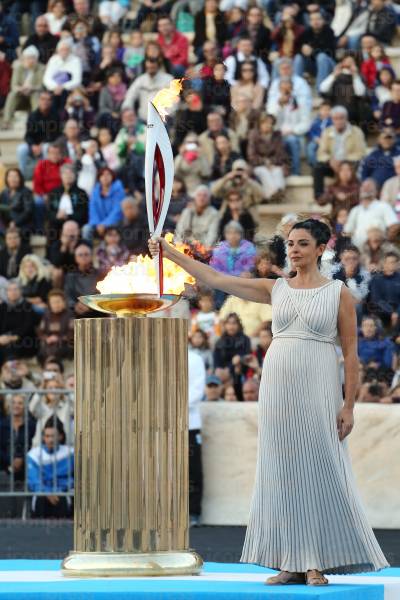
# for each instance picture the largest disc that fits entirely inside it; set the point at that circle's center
(313, 579)
(286, 578)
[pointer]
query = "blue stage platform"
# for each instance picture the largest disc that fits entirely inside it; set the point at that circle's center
(42, 580)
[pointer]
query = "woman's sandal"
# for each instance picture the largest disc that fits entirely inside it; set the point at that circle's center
(286, 578)
(314, 577)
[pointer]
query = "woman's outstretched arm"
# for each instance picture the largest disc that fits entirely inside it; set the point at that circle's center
(256, 290)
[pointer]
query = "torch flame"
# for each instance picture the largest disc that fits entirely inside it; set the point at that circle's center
(139, 276)
(167, 97)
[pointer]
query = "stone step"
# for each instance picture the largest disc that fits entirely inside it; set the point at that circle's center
(299, 188)
(270, 214)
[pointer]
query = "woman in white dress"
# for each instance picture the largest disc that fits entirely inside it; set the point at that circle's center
(306, 517)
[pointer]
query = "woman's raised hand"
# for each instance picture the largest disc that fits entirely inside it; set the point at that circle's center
(154, 244)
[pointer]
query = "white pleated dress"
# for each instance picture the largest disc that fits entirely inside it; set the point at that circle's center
(306, 512)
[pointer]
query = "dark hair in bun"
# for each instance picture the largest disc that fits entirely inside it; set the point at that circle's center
(318, 230)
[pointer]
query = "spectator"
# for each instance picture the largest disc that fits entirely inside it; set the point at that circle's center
(146, 86)
(77, 107)
(293, 120)
(384, 291)
(51, 469)
(215, 127)
(229, 394)
(200, 221)
(213, 389)
(207, 318)
(82, 10)
(61, 252)
(287, 34)
(209, 25)
(88, 166)
(110, 100)
(17, 428)
(382, 92)
(190, 165)
(264, 267)
(174, 46)
(320, 123)
(43, 127)
(67, 202)
(111, 252)
(344, 191)
(264, 342)
(26, 83)
(216, 91)
(390, 116)
(16, 204)
(56, 330)
(317, 49)
(252, 315)
(134, 55)
(104, 204)
(63, 72)
(344, 87)
(234, 211)
(86, 47)
(42, 39)
(391, 188)
(18, 321)
(70, 143)
(82, 281)
(374, 249)
(224, 157)
(235, 255)
(179, 201)
(108, 62)
(35, 282)
(301, 89)
(130, 140)
(371, 67)
(191, 117)
(200, 344)
(259, 34)
(12, 253)
(15, 376)
(250, 391)
(9, 39)
(149, 10)
(56, 16)
(378, 165)
(133, 226)
(267, 155)
(53, 405)
(242, 120)
(247, 85)
(108, 149)
(372, 348)
(245, 52)
(369, 212)
(341, 141)
(238, 179)
(46, 178)
(381, 21)
(112, 11)
(356, 278)
(233, 342)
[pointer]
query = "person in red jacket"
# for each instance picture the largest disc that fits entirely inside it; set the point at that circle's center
(371, 67)
(174, 46)
(46, 178)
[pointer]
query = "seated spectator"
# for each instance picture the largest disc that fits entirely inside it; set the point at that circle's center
(320, 123)
(252, 315)
(17, 428)
(301, 89)
(56, 16)
(15, 375)
(149, 11)
(111, 252)
(56, 330)
(258, 32)
(370, 211)
(341, 141)
(200, 221)
(384, 291)
(200, 344)
(46, 178)
(317, 49)
(110, 101)
(391, 188)
(9, 39)
(70, 142)
(224, 157)
(390, 116)
(67, 202)
(82, 281)
(82, 10)
(383, 90)
(229, 394)
(215, 127)
(179, 201)
(86, 47)
(242, 120)
(235, 211)
(233, 342)
(236, 21)
(12, 253)
(264, 342)
(35, 282)
(112, 11)
(133, 227)
(293, 120)
(51, 469)
(381, 21)
(42, 39)
(174, 46)
(344, 87)
(234, 255)
(43, 127)
(146, 86)
(130, 139)
(63, 72)
(61, 252)
(209, 26)
(53, 405)
(352, 273)
(374, 249)
(372, 347)
(190, 165)
(134, 55)
(18, 322)
(26, 83)
(371, 67)
(247, 85)
(190, 117)
(344, 191)
(286, 35)
(108, 149)
(250, 390)
(108, 62)
(77, 107)
(216, 91)
(16, 204)
(379, 164)
(207, 318)
(238, 179)
(104, 204)
(267, 155)
(213, 389)
(245, 52)
(88, 166)
(264, 266)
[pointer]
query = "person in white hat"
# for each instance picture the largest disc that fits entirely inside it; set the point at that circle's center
(26, 83)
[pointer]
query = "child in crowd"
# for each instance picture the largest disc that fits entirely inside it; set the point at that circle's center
(111, 252)
(320, 123)
(207, 318)
(200, 343)
(134, 54)
(108, 149)
(370, 68)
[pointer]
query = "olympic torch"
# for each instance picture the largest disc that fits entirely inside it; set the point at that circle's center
(159, 161)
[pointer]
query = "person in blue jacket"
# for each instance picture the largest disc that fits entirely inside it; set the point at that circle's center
(379, 165)
(104, 204)
(372, 347)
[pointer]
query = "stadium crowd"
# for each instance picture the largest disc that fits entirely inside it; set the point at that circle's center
(271, 89)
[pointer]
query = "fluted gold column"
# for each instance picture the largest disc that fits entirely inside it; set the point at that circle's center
(131, 449)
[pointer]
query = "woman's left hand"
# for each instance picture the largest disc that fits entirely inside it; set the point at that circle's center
(345, 422)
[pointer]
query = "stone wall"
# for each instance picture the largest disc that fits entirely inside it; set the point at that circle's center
(229, 435)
